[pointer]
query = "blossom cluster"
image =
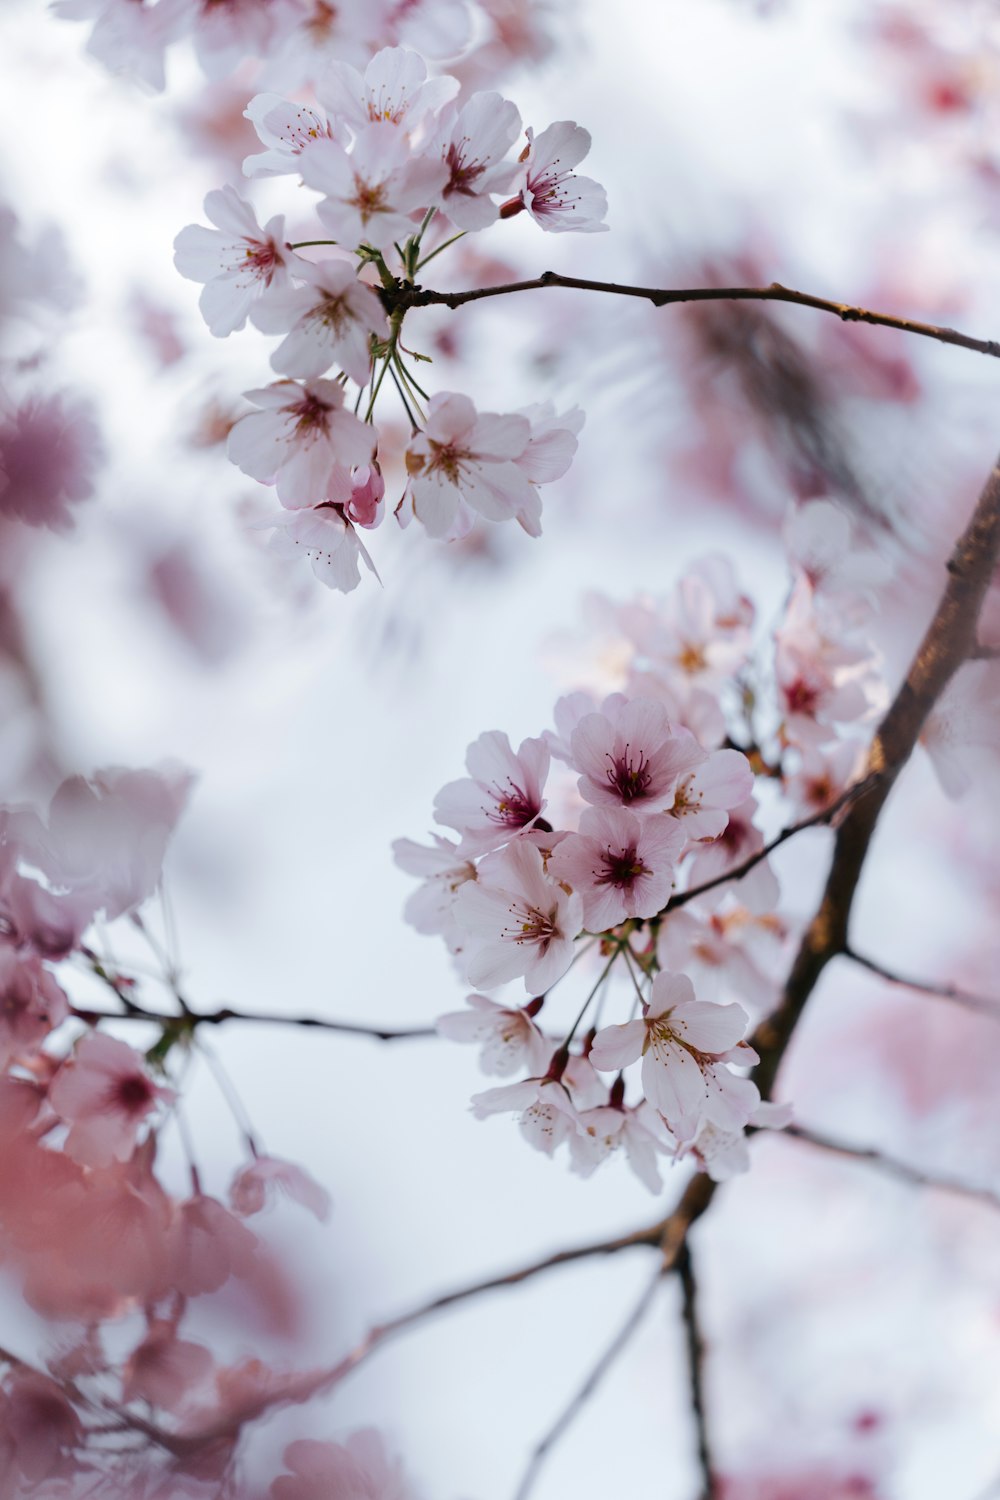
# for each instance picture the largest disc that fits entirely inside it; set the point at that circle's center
(403, 168)
(50, 446)
(103, 1247)
(297, 38)
(630, 837)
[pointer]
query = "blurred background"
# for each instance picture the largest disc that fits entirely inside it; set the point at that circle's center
(850, 148)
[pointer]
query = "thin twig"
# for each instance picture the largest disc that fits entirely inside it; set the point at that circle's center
(947, 642)
(891, 1165)
(603, 1365)
(695, 1346)
(815, 820)
(194, 1019)
(981, 1004)
(406, 296)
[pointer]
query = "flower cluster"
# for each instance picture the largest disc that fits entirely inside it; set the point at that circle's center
(50, 446)
(87, 1224)
(628, 837)
(298, 38)
(402, 169)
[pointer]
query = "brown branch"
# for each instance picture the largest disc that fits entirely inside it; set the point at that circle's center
(891, 1165)
(981, 1004)
(825, 815)
(569, 1413)
(949, 640)
(404, 296)
(667, 1236)
(947, 643)
(192, 1019)
(695, 1346)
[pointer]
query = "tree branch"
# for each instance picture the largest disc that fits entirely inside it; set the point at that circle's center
(695, 1347)
(192, 1019)
(406, 296)
(949, 640)
(616, 1347)
(891, 1165)
(947, 643)
(825, 815)
(978, 1003)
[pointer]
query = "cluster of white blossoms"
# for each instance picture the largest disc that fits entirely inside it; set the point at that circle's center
(402, 169)
(295, 39)
(644, 859)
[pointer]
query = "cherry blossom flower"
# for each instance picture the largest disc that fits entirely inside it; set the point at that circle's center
(631, 755)
(445, 870)
(621, 866)
(819, 544)
(285, 128)
(724, 1154)
(365, 507)
(31, 1004)
(703, 797)
(604, 1130)
(472, 145)
(555, 197)
(552, 443)
(208, 1247)
(266, 1176)
(437, 28)
(129, 36)
(48, 923)
(689, 706)
(106, 836)
(738, 841)
(587, 1089)
(332, 318)
(394, 91)
(566, 715)
(241, 264)
(50, 447)
(516, 921)
(224, 32)
(361, 1469)
(501, 796)
(370, 195)
(685, 1045)
(510, 1039)
(302, 441)
(104, 1095)
(823, 677)
(546, 1113)
(164, 1369)
(42, 1429)
(322, 534)
(729, 941)
(962, 733)
(465, 456)
(701, 633)
(823, 773)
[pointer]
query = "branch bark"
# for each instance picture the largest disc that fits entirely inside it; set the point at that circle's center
(981, 1004)
(950, 640)
(891, 1165)
(404, 296)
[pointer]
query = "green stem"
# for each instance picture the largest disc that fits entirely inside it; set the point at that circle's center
(428, 258)
(414, 389)
(586, 1004)
(376, 387)
(415, 425)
